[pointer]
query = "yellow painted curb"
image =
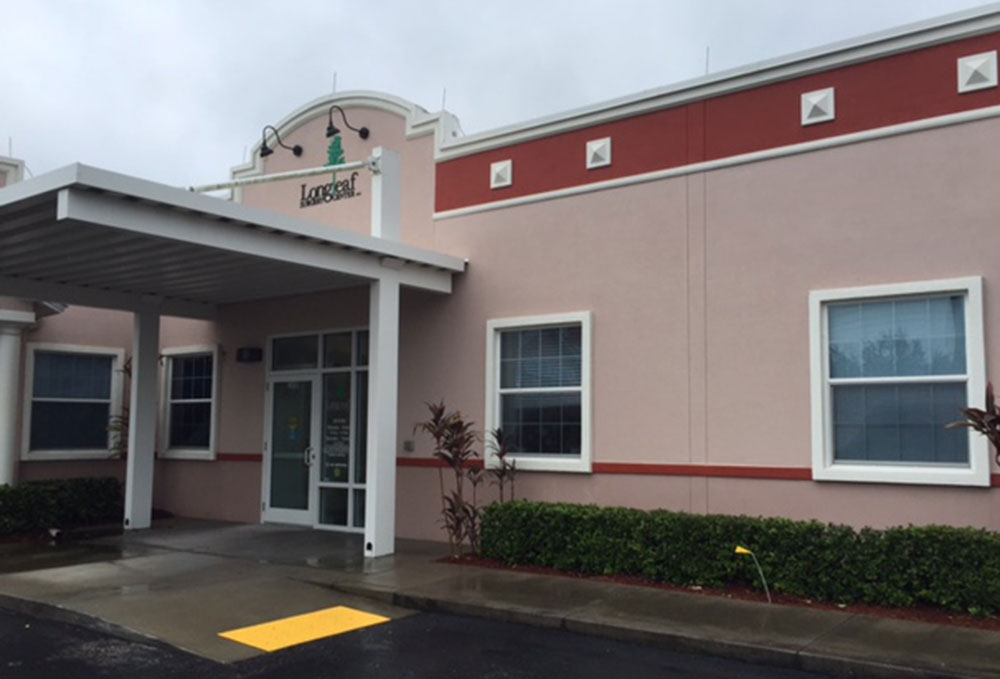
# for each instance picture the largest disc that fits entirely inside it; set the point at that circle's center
(298, 629)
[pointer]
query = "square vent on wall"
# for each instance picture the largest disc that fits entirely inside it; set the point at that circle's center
(598, 153)
(818, 106)
(501, 174)
(977, 72)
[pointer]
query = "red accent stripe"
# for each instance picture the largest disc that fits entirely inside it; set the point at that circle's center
(633, 468)
(430, 462)
(239, 457)
(921, 84)
(644, 469)
(726, 471)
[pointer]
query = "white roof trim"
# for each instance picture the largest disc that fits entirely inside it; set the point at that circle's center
(16, 318)
(78, 175)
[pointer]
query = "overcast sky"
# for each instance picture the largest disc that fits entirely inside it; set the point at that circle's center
(175, 90)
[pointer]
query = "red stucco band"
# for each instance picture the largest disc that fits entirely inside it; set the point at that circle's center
(896, 89)
(429, 462)
(729, 471)
(637, 469)
(643, 469)
(701, 470)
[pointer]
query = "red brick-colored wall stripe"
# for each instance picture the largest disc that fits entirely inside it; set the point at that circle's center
(699, 470)
(777, 473)
(728, 471)
(430, 462)
(887, 91)
(641, 144)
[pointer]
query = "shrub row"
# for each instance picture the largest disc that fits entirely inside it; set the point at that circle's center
(953, 568)
(39, 505)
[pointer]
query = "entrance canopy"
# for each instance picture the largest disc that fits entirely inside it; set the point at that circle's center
(86, 236)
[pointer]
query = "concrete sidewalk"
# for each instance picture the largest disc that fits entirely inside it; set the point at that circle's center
(183, 583)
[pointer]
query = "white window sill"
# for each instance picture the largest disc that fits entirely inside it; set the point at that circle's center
(544, 463)
(931, 475)
(187, 454)
(55, 455)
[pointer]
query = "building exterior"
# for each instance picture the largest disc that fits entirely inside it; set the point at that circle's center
(764, 292)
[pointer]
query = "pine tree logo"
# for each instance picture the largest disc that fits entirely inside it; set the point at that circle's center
(335, 154)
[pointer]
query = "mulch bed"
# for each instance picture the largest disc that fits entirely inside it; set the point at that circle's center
(44, 537)
(17, 538)
(917, 614)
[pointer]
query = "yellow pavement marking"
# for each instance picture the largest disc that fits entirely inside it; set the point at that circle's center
(298, 629)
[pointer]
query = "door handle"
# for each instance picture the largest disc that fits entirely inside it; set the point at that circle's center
(307, 456)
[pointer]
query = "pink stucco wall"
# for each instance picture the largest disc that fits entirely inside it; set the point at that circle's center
(220, 490)
(105, 328)
(698, 286)
(916, 207)
(14, 304)
(76, 326)
(241, 421)
(68, 469)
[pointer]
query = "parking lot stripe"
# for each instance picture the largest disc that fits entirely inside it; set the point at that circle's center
(298, 629)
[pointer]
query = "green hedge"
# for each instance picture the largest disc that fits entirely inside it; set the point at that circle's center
(39, 505)
(953, 568)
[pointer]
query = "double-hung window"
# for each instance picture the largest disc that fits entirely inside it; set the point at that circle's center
(190, 386)
(72, 393)
(892, 365)
(538, 390)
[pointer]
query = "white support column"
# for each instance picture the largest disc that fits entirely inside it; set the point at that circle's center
(142, 419)
(383, 395)
(11, 324)
(386, 192)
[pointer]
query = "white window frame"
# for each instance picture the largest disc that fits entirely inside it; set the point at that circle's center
(169, 355)
(319, 373)
(977, 472)
(117, 355)
(540, 462)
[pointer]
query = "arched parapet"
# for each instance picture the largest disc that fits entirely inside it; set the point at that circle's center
(443, 125)
(344, 198)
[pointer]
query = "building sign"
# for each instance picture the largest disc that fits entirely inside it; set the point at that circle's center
(334, 189)
(329, 192)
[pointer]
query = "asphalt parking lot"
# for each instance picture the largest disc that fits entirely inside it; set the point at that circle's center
(422, 646)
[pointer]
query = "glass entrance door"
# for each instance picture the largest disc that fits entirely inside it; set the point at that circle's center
(345, 420)
(291, 454)
(342, 462)
(317, 430)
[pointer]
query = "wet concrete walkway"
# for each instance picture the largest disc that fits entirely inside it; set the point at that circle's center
(183, 582)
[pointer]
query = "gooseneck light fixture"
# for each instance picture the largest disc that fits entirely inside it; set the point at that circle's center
(265, 150)
(331, 129)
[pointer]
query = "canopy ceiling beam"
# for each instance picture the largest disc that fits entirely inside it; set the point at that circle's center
(73, 294)
(235, 237)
